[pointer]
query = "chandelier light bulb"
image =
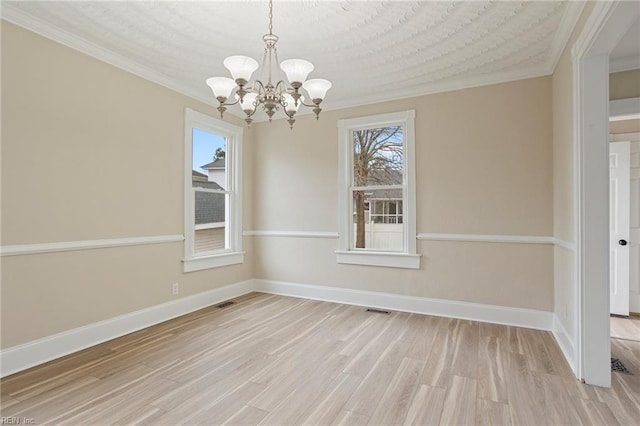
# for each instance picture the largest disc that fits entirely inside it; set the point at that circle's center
(221, 86)
(317, 88)
(247, 102)
(241, 67)
(296, 70)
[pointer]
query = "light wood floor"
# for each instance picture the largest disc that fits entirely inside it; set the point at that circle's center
(625, 328)
(278, 360)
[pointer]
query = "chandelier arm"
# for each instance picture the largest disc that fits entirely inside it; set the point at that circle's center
(282, 86)
(261, 88)
(231, 104)
(313, 105)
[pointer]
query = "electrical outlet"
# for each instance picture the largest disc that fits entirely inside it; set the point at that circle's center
(175, 289)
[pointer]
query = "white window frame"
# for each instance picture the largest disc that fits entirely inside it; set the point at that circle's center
(233, 254)
(409, 258)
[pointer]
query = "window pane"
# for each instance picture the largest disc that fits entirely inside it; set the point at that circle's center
(379, 228)
(209, 158)
(378, 156)
(210, 221)
(209, 171)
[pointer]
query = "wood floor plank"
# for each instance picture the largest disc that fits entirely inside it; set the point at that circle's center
(491, 376)
(492, 413)
(555, 400)
(143, 414)
(395, 401)
(247, 415)
(625, 328)
(460, 403)
(369, 355)
(349, 418)
(593, 412)
(281, 360)
(465, 354)
(623, 404)
(437, 372)
(284, 396)
(220, 382)
(524, 394)
(369, 329)
(124, 403)
(420, 347)
(367, 396)
(326, 407)
(426, 406)
(227, 407)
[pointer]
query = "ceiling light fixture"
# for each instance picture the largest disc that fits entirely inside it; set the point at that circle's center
(270, 96)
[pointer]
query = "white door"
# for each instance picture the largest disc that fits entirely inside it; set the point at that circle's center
(619, 210)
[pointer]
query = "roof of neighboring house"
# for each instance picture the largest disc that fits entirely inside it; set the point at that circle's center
(385, 194)
(209, 208)
(205, 184)
(384, 177)
(216, 164)
(197, 176)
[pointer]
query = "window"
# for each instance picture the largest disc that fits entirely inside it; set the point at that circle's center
(377, 191)
(213, 218)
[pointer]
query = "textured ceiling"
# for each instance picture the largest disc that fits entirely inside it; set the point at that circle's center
(371, 51)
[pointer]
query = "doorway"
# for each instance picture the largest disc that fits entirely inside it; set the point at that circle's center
(606, 25)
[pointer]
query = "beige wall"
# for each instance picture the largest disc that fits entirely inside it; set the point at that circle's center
(563, 182)
(624, 85)
(624, 126)
(484, 166)
(82, 143)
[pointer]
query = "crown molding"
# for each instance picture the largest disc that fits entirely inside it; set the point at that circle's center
(627, 63)
(565, 29)
(52, 32)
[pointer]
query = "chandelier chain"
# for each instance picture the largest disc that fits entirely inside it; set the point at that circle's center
(270, 17)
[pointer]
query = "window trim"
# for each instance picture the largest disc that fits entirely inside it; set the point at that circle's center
(233, 255)
(409, 258)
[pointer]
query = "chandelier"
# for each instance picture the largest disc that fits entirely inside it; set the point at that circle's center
(270, 96)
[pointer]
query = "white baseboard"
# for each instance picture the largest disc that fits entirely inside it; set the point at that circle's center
(565, 342)
(529, 318)
(39, 351)
(18, 358)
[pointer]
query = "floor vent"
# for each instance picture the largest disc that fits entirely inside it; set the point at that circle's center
(225, 304)
(618, 366)
(378, 311)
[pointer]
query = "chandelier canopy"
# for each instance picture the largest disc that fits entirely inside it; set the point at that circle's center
(270, 96)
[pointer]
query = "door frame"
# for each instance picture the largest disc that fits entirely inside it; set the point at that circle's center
(606, 25)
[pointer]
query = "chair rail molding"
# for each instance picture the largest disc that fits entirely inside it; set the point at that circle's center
(24, 249)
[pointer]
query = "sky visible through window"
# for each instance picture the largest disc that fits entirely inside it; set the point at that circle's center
(204, 148)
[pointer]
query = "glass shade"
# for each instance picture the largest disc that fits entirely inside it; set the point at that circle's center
(221, 86)
(317, 87)
(291, 103)
(241, 66)
(297, 70)
(247, 101)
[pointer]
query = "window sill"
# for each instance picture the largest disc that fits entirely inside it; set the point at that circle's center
(212, 261)
(374, 258)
